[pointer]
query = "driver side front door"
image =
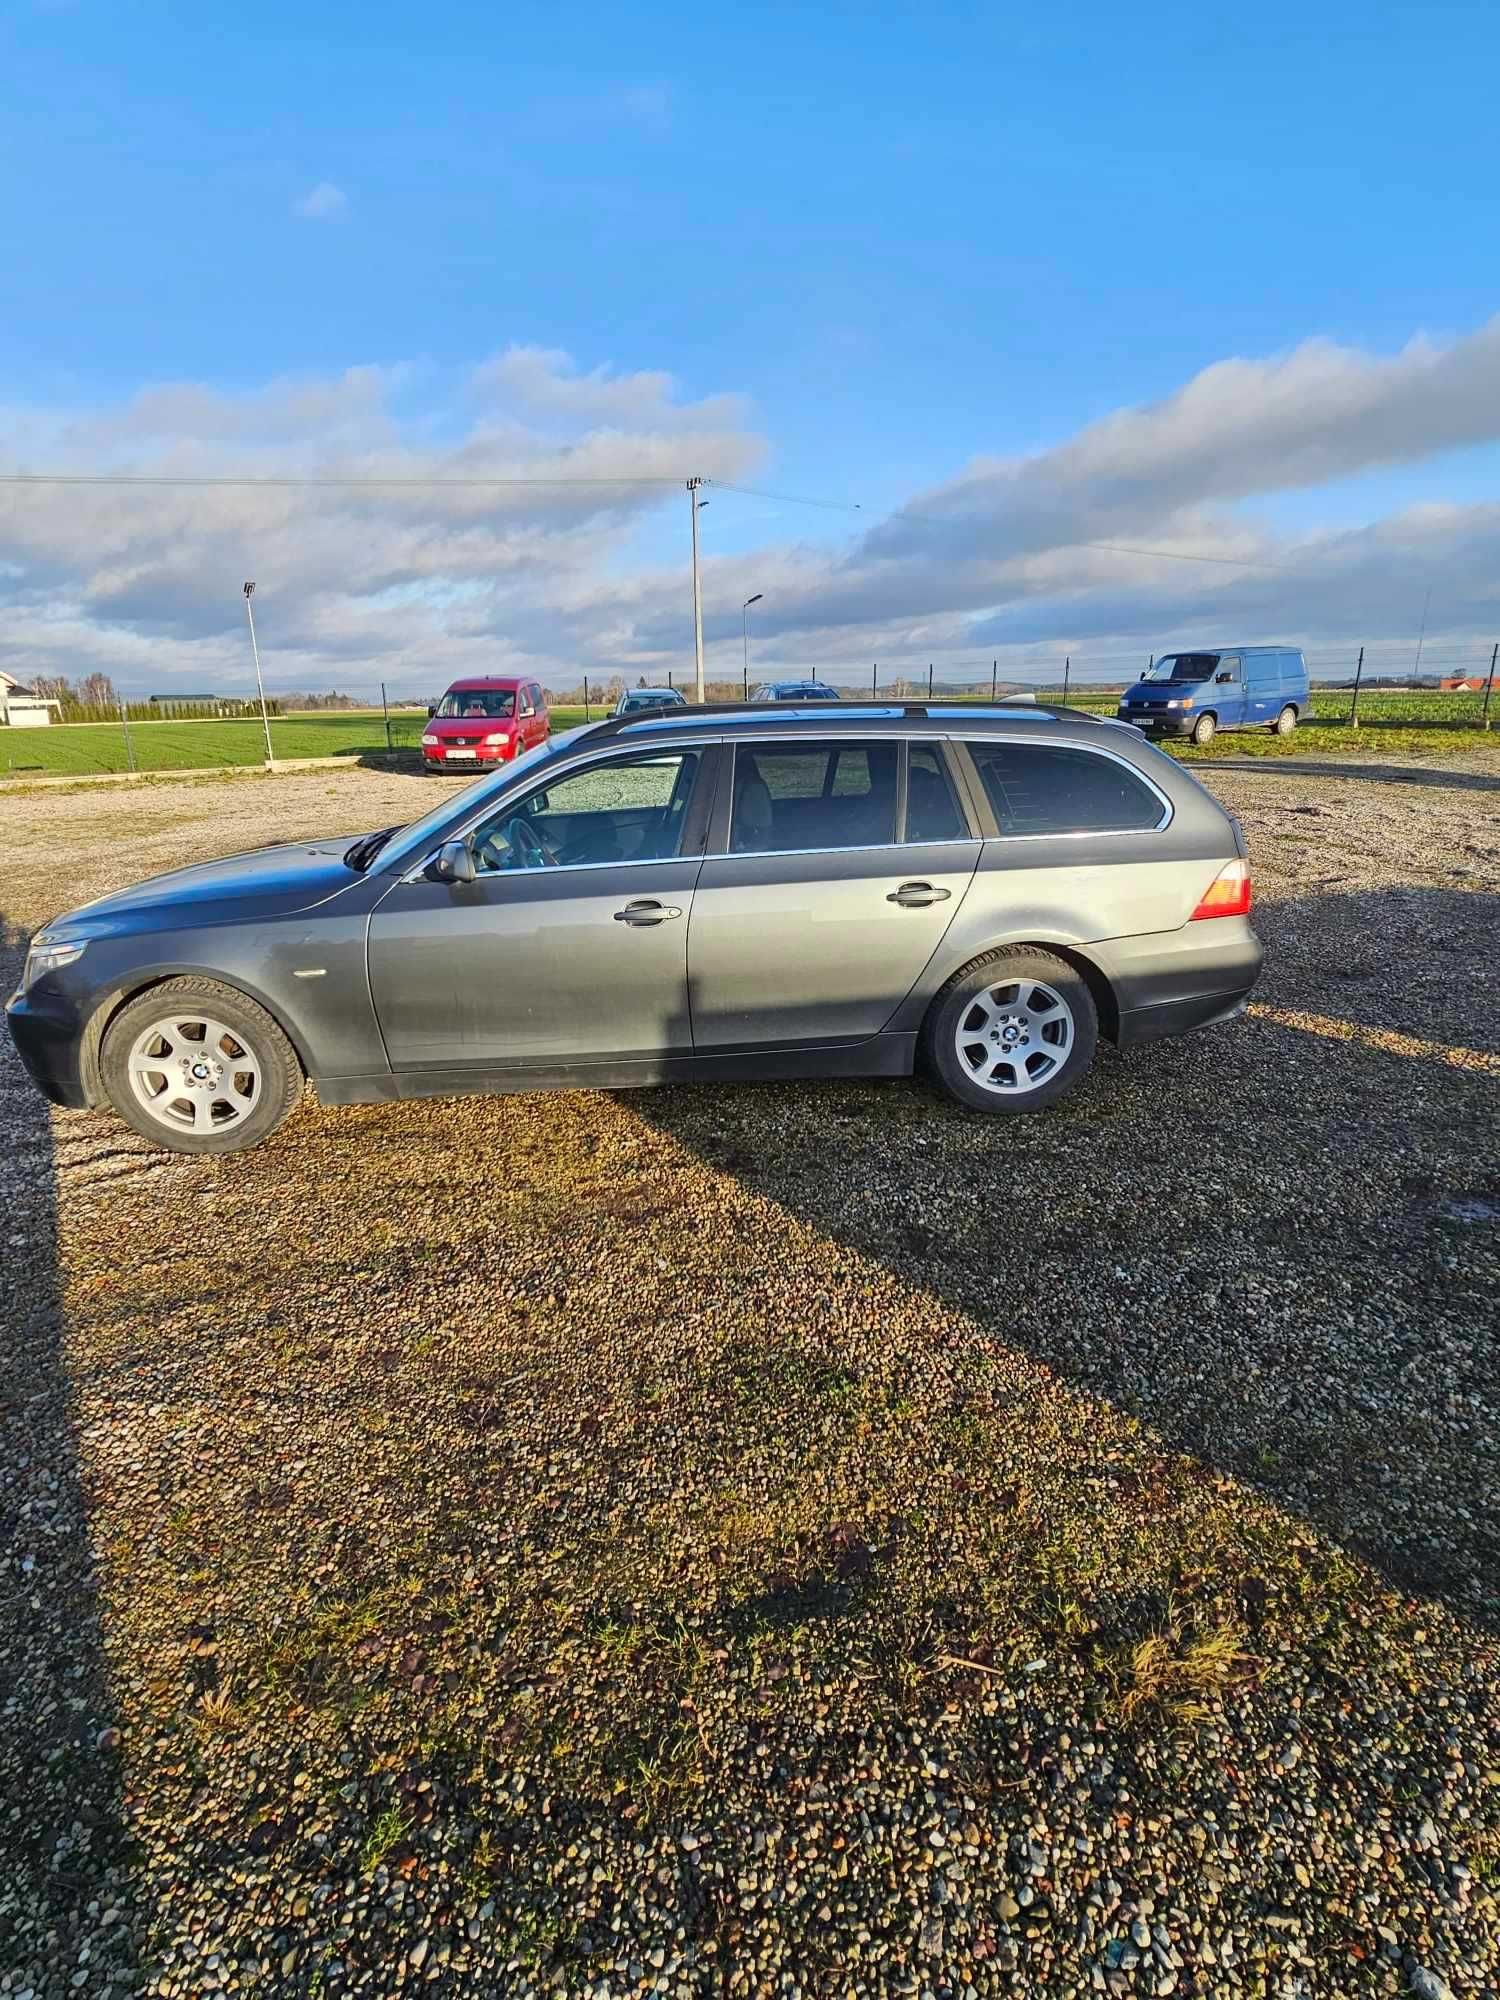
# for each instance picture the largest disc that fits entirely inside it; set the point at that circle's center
(570, 945)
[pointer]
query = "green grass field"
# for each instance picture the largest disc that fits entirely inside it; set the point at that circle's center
(1390, 725)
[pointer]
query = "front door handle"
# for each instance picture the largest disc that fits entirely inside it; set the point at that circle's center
(645, 912)
(917, 895)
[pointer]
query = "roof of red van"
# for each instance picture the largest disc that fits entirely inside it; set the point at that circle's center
(488, 681)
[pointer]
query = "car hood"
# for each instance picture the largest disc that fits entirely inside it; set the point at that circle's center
(271, 881)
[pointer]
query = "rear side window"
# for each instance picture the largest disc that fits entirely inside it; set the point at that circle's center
(1053, 788)
(932, 812)
(794, 796)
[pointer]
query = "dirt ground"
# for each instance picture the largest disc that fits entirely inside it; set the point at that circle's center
(777, 1540)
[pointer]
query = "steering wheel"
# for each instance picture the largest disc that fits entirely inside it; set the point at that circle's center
(528, 845)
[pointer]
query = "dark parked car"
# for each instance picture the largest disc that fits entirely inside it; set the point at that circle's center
(640, 701)
(796, 691)
(983, 892)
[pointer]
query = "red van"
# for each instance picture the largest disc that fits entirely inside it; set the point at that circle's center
(489, 721)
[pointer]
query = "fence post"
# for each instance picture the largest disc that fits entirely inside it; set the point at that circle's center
(874, 680)
(670, 682)
(994, 677)
(1354, 698)
(1067, 675)
(745, 682)
(586, 716)
(1484, 714)
(385, 709)
(125, 731)
(929, 680)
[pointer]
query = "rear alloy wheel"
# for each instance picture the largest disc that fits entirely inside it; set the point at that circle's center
(1203, 730)
(1012, 1032)
(199, 1068)
(1286, 722)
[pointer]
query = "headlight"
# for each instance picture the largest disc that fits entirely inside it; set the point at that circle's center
(46, 956)
(429, 742)
(498, 736)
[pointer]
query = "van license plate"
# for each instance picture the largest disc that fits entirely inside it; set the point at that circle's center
(454, 755)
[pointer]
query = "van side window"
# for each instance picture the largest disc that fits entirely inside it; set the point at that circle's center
(526, 706)
(1228, 668)
(932, 812)
(793, 796)
(1053, 788)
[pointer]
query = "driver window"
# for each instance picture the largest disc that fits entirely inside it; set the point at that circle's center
(1229, 667)
(527, 707)
(625, 809)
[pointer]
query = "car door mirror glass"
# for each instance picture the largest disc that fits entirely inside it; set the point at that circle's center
(452, 863)
(1223, 679)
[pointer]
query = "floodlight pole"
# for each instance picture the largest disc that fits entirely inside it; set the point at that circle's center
(693, 502)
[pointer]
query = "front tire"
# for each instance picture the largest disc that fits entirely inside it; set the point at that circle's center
(1012, 1032)
(1203, 730)
(1286, 722)
(199, 1068)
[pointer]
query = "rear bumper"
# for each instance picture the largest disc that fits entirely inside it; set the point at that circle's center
(50, 1045)
(1179, 980)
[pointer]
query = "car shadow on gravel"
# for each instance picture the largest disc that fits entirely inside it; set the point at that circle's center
(1276, 1244)
(60, 1767)
(1341, 767)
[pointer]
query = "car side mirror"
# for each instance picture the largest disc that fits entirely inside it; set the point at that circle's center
(453, 862)
(1223, 679)
(431, 710)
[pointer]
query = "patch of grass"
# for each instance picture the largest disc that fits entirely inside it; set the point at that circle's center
(1176, 1674)
(388, 1831)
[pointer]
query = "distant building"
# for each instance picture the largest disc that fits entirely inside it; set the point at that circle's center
(1463, 683)
(20, 708)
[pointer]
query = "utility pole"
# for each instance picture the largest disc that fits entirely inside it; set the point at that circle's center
(260, 686)
(745, 636)
(1422, 634)
(695, 503)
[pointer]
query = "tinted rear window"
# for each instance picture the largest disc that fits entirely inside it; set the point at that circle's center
(1052, 788)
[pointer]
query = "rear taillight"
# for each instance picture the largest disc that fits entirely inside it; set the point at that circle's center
(1228, 894)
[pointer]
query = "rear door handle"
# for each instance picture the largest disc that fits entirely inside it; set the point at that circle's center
(645, 912)
(916, 895)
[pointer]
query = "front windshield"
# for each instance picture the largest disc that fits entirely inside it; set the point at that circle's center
(494, 703)
(422, 834)
(1182, 667)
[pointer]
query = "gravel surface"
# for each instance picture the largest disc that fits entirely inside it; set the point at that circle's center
(786, 1541)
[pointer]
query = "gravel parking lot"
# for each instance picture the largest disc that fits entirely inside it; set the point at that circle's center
(795, 1541)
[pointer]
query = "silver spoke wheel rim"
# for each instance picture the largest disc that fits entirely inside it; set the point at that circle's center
(1014, 1036)
(191, 1073)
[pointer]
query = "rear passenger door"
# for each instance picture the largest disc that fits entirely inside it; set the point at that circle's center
(835, 868)
(1262, 687)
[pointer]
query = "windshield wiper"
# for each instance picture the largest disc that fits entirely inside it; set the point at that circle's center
(364, 850)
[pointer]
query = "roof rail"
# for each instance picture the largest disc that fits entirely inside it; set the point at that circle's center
(610, 725)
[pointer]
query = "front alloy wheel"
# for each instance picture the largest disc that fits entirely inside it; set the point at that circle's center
(199, 1067)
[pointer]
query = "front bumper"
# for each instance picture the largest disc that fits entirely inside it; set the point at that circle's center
(1151, 722)
(49, 1041)
(483, 759)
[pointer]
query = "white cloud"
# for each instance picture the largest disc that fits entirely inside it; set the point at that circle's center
(412, 582)
(324, 203)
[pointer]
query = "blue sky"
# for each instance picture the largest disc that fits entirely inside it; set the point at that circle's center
(897, 241)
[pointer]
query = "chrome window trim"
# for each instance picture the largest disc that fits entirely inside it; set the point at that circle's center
(1084, 832)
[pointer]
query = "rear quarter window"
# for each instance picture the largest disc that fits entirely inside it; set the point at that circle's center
(1054, 788)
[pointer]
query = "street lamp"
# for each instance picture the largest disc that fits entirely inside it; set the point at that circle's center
(260, 686)
(745, 634)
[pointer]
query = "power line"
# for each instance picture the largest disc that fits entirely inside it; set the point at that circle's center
(285, 479)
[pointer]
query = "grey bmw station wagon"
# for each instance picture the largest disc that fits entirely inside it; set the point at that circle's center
(731, 892)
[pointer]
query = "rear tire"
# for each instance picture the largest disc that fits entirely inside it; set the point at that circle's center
(1286, 722)
(1203, 730)
(1012, 1032)
(199, 1067)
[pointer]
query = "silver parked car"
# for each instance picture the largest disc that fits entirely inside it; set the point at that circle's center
(639, 701)
(705, 893)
